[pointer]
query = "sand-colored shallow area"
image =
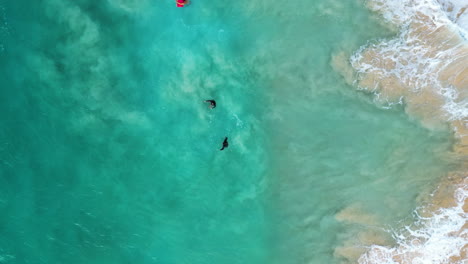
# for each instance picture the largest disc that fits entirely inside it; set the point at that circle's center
(425, 68)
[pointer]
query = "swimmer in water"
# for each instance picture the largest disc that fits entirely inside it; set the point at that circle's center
(212, 103)
(225, 144)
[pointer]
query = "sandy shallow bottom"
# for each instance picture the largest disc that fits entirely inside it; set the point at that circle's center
(425, 68)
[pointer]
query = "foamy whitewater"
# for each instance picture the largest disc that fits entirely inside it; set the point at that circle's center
(108, 154)
(436, 239)
(422, 61)
(425, 67)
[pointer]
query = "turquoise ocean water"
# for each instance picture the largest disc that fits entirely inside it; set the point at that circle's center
(109, 155)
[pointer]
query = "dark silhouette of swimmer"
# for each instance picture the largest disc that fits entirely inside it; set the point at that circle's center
(225, 144)
(212, 103)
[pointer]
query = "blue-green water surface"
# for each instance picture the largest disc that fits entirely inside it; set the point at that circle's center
(109, 155)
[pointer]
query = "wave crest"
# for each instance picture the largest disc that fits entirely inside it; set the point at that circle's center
(424, 67)
(440, 238)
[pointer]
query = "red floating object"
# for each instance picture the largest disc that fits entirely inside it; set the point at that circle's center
(181, 3)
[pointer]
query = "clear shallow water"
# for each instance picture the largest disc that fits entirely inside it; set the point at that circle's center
(108, 154)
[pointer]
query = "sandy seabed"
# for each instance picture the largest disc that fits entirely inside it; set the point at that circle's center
(425, 68)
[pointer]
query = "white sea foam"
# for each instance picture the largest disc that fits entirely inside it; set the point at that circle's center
(431, 240)
(427, 64)
(403, 11)
(425, 55)
(457, 11)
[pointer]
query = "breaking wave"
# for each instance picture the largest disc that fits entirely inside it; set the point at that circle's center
(424, 67)
(440, 238)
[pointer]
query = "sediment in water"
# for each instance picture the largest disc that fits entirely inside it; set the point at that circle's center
(425, 67)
